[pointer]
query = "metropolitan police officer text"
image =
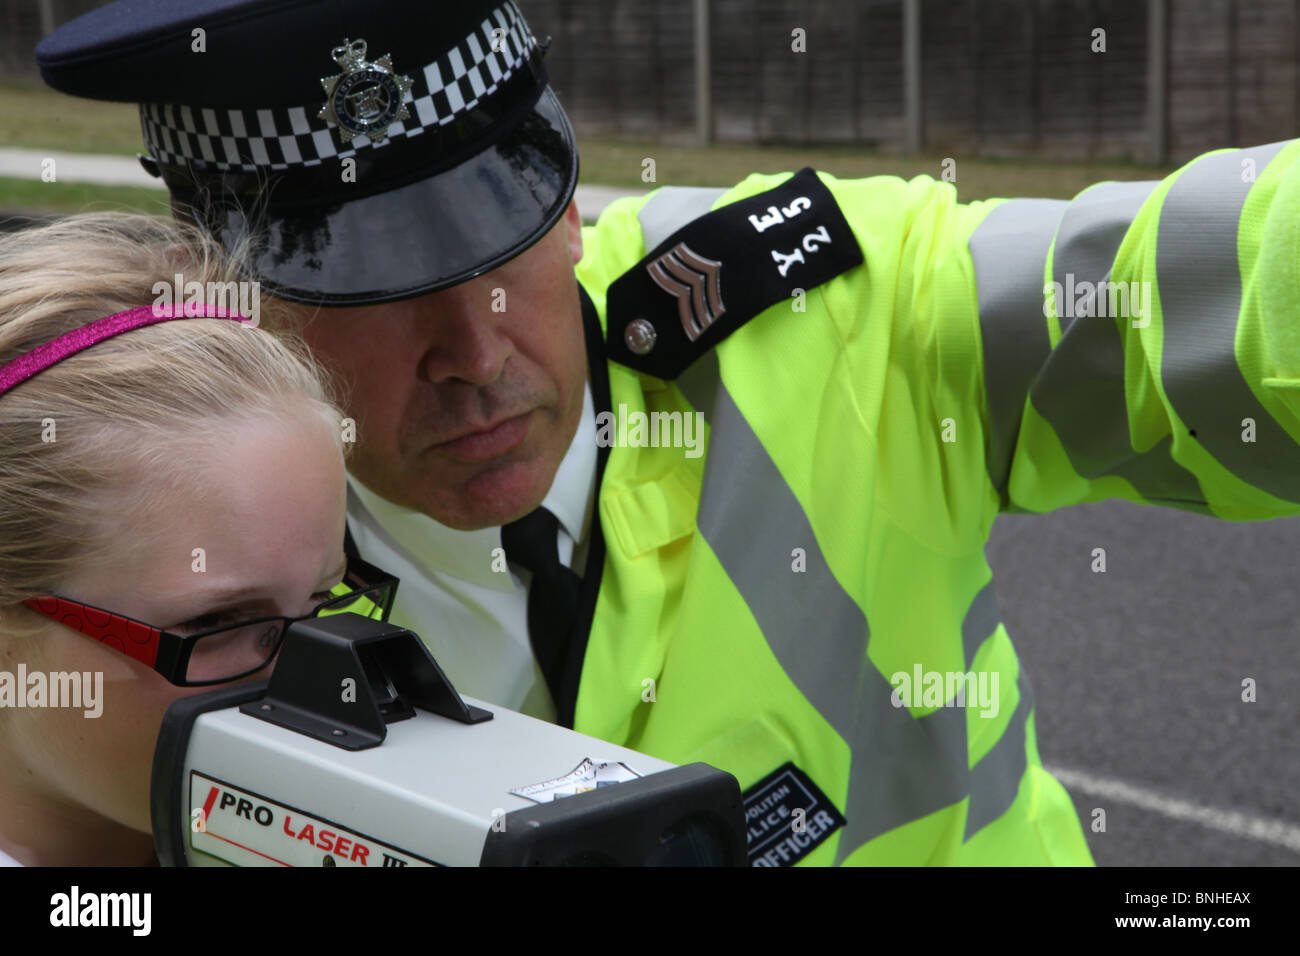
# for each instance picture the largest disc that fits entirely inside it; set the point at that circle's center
(760, 823)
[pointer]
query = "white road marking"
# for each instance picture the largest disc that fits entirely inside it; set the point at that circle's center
(1276, 832)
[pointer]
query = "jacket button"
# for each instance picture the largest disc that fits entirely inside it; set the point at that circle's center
(640, 336)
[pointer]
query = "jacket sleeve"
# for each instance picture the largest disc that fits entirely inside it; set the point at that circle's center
(1142, 340)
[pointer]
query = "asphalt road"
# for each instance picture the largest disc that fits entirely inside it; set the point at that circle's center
(1138, 675)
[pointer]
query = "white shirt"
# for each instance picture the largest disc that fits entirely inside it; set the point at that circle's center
(474, 619)
(7, 860)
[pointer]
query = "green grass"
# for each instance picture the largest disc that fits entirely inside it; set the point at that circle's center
(34, 196)
(34, 117)
(620, 164)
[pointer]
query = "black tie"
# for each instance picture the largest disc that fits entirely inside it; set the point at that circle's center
(553, 594)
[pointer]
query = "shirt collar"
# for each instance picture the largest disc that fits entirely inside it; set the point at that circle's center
(571, 492)
(468, 554)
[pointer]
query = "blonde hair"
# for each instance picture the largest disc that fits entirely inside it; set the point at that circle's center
(127, 412)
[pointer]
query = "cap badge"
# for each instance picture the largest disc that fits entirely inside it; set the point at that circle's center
(366, 98)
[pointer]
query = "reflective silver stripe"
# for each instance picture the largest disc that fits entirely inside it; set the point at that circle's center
(981, 620)
(1200, 296)
(1080, 389)
(903, 768)
(742, 482)
(671, 208)
(1092, 228)
(1009, 252)
(995, 780)
(699, 383)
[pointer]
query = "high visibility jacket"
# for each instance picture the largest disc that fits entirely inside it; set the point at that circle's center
(759, 603)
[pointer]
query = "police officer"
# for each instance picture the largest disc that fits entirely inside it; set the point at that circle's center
(879, 372)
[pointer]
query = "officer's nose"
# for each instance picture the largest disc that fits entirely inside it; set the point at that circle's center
(466, 338)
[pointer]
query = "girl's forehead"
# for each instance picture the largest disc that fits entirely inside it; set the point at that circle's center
(261, 508)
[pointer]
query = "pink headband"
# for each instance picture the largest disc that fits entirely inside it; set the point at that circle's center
(70, 343)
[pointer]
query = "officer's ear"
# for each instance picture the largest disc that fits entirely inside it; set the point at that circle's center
(573, 226)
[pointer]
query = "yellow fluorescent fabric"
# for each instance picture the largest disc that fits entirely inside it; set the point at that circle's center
(761, 604)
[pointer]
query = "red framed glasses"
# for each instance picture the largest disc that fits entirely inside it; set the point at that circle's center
(220, 654)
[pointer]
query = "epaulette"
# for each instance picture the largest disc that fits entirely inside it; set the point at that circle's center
(720, 269)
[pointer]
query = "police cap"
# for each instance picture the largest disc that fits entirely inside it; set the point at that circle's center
(372, 149)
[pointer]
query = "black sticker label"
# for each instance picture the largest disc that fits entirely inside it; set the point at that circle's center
(787, 817)
(717, 272)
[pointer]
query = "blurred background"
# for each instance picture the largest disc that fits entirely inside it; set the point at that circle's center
(1137, 671)
(1024, 97)
(1166, 80)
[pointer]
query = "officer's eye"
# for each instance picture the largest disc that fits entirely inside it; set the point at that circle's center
(320, 597)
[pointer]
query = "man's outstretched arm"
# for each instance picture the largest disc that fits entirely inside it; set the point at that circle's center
(1142, 340)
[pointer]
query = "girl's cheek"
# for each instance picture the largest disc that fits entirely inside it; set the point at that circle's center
(100, 755)
(105, 762)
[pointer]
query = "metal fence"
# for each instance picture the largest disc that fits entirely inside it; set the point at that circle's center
(1163, 79)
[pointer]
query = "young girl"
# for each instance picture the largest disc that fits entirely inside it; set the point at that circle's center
(163, 482)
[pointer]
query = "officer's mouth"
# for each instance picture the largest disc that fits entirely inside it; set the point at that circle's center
(490, 442)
